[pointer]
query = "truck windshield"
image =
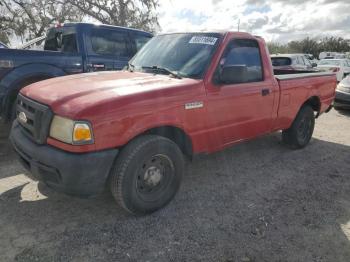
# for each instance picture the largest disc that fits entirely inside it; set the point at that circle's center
(183, 54)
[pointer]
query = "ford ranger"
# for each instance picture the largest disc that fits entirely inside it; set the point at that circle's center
(182, 94)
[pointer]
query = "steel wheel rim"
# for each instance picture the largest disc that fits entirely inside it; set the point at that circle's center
(154, 176)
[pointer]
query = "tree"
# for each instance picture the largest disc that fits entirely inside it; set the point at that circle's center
(312, 46)
(29, 19)
(277, 48)
(4, 31)
(335, 44)
(130, 13)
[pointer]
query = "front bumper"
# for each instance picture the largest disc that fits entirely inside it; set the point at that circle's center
(342, 100)
(75, 174)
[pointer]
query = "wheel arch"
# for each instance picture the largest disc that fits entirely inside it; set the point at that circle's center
(315, 103)
(22, 76)
(175, 134)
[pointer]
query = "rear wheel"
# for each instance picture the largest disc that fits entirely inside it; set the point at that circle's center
(300, 133)
(147, 174)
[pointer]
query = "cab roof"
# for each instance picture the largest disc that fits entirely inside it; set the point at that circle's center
(82, 24)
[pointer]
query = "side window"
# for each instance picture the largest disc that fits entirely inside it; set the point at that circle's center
(109, 42)
(140, 40)
(61, 39)
(245, 53)
(53, 40)
(69, 43)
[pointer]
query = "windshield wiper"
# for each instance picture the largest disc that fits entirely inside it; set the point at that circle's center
(163, 70)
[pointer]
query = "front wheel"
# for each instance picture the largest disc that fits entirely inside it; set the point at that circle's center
(300, 133)
(147, 174)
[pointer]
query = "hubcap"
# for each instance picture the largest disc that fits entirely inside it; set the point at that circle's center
(154, 176)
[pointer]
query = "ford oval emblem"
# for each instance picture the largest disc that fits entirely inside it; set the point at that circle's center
(22, 117)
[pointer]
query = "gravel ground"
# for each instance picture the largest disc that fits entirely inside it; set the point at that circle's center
(257, 201)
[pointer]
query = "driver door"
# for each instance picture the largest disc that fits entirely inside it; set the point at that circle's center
(241, 110)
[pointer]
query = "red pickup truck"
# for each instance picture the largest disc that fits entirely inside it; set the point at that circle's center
(182, 94)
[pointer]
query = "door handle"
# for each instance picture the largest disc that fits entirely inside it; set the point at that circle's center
(265, 92)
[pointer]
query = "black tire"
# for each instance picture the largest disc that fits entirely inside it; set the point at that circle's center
(300, 133)
(147, 174)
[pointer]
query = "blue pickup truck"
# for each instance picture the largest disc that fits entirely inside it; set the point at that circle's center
(69, 49)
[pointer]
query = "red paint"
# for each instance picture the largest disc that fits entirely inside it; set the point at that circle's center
(122, 105)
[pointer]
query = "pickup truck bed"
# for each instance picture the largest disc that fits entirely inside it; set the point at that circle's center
(296, 87)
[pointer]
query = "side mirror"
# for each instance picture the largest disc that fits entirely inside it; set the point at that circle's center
(233, 74)
(314, 65)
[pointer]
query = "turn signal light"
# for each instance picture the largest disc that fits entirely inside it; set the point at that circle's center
(82, 133)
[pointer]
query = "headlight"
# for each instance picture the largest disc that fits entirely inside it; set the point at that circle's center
(71, 132)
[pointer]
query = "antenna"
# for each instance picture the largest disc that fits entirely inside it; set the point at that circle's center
(239, 23)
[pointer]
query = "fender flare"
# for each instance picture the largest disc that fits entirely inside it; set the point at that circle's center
(28, 71)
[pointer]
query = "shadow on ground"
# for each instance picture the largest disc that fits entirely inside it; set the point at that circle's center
(257, 201)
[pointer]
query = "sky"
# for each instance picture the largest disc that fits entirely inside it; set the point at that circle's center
(275, 20)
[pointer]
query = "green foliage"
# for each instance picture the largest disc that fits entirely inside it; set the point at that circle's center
(311, 46)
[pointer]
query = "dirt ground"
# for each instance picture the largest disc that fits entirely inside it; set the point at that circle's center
(257, 201)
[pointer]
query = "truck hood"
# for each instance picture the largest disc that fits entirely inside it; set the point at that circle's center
(80, 91)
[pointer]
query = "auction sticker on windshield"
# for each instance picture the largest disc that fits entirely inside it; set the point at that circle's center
(206, 40)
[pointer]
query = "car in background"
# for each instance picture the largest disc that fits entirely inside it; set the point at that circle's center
(339, 66)
(2, 45)
(309, 56)
(331, 55)
(342, 95)
(70, 48)
(292, 64)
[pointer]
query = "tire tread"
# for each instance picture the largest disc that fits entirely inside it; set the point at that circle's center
(122, 162)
